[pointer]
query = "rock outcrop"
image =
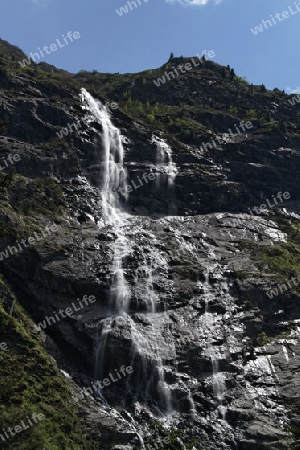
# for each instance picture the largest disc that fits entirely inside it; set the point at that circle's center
(215, 358)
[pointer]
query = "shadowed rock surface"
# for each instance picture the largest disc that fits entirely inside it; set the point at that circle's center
(216, 361)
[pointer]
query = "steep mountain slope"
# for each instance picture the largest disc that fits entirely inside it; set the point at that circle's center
(181, 272)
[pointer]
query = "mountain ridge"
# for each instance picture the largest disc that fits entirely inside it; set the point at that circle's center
(217, 262)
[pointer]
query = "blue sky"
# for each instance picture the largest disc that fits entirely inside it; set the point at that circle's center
(143, 37)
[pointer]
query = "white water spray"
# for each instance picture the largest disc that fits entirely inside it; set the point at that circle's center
(144, 350)
(114, 176)
(218, 378)
(164, 163)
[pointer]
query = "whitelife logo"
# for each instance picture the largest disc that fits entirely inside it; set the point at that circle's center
(11, 159)
(69, 129)
(31, 240)
(68, 311)
(146, 176)
(3, 346)
(53, 48)
(98, 385)
(19, 428)
(183, 68)
(124, 9)
(268, 23)
(283, 287)
(294, 100)
(263, 208)
(199, 152)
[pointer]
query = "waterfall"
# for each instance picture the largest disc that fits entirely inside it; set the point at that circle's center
(114, 176)
(145, 353)
(164, 163)
(151, 380)
(145, 273)
(218, 378)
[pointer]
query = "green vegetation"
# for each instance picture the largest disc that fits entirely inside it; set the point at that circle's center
(282, 258)
(30, 383)
(183, 110)
(191, 112)
(263, 339)
(180, 112)
(240, 275)
(169, 439)
(41, 196)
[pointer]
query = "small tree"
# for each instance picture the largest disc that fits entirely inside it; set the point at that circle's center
(171, 56)
(233, 110)
(223, 73)
(150, 117)
(251, 114)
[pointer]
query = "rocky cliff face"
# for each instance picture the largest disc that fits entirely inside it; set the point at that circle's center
(180, 270)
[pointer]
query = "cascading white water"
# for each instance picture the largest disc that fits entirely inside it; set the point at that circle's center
(164, 163)
(151, 381)
(114, 176)
(219, 386)
(145, 273)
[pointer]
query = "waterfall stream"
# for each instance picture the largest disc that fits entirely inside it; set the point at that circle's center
(164, 163)
(136, 328)
(218, 379)
(145, 352)
(114, 176)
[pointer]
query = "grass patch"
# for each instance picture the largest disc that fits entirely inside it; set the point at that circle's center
(283, 258)
(169, 439)
(29, 383)
(263, 338)
(42, 196)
